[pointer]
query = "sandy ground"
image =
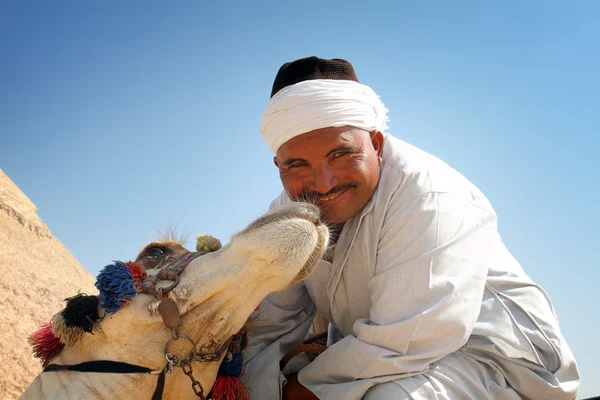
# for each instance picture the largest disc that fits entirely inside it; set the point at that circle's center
(38, 273)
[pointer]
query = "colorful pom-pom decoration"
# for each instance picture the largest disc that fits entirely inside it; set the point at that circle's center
(137, 272)
(44, 344)
(229, 385)
(207, 243)
(229, 388)
(67, 335)
(116, 285)
(81, 312)
(232, 367)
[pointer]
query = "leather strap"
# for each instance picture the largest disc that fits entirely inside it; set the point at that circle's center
(112, 367)
(102, 366)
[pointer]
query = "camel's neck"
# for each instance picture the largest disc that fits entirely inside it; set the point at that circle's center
(70, 385)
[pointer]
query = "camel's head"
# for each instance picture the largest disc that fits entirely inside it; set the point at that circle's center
(158, 255)
(216, 294)
(219, 290)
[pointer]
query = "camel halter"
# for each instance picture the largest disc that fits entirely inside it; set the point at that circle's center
(172, 320)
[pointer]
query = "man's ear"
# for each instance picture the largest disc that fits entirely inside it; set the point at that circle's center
(275, 161)
(377, 142)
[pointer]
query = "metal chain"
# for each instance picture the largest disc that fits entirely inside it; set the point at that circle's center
(172, 362)
(148, 286)
(204, 357)
(196, 386)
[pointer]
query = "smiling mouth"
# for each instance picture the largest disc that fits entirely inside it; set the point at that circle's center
(332, 196)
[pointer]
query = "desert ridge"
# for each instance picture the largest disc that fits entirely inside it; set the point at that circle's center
(38, 273)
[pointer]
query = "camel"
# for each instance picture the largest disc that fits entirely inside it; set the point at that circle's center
(215, 295)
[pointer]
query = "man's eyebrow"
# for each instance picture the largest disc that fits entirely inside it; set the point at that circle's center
(291, 161)
(343, 147)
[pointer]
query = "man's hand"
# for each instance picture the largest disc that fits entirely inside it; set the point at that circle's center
(293, 390)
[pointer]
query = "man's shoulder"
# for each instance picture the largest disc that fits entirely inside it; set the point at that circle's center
(280, 200)
(410, 159)
(417, 172)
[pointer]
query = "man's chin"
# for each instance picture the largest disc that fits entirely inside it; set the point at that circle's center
(334, 222)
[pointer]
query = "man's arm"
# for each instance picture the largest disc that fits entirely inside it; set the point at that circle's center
(283, 321)
(425, 295)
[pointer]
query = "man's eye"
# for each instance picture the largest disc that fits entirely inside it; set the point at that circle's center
(154, 252)
(296, 164)
(339, 154)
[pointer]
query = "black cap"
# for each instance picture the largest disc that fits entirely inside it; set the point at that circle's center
(309, 68)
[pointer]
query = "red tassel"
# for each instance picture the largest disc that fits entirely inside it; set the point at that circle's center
(137, 271)
(45, 345)
(229, 388)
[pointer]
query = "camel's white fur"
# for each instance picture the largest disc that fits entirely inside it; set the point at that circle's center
(216, 295)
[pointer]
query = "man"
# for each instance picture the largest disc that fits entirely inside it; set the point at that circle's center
(423, 299)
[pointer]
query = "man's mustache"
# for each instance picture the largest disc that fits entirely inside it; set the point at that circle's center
(313, 195)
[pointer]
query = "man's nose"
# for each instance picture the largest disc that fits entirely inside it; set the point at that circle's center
(324, 179)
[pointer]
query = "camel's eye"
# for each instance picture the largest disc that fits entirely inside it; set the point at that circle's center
(154, 252)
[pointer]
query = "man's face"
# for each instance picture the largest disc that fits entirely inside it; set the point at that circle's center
(335, 168)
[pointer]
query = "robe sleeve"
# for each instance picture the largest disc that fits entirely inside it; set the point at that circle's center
(425, 294)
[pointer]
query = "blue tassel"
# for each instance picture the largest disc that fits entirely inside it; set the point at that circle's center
(116, 285)
(233, 367)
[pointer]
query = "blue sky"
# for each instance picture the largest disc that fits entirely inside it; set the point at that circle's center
(118, 118)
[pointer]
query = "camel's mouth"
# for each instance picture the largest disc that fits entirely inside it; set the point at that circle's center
(317, 253)
(297, 210)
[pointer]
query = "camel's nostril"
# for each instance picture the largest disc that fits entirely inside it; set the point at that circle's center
(317, 221)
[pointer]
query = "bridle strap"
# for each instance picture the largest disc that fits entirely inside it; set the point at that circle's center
(160, 386)
(102, 366)
(113, 367)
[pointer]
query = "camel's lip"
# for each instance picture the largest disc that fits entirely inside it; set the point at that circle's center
(317, 253)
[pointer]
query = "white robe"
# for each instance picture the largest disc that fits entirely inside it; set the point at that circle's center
(423, 299)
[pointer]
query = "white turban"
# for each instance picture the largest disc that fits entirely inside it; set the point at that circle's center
(320, 103)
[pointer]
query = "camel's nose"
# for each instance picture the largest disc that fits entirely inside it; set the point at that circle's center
(315, 214)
